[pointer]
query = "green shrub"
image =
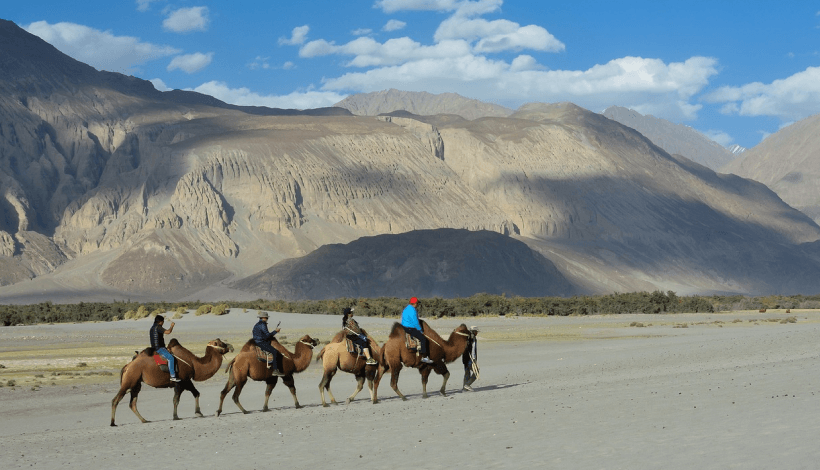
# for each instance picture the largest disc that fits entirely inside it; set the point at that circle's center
(203, 309)
(220, 309)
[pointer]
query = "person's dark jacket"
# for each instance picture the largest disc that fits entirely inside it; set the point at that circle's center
(261, 335)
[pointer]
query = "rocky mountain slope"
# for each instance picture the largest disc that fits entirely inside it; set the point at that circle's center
(420, 103)
(788, 162)
(675, 139)
(109, 188)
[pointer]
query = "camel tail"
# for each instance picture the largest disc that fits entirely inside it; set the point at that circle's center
(229, 366)
(321, 353)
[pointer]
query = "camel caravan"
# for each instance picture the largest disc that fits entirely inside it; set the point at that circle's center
(411, 343)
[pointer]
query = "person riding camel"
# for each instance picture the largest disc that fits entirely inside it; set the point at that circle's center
(354, 334)
(262, 337)
(157, 335)
(410, 323)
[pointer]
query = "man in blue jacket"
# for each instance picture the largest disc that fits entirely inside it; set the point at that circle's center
(411, 324)
(262, 337)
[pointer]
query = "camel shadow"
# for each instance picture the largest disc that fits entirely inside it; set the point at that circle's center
(491, 387)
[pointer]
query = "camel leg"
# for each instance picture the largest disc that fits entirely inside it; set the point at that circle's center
(135, 390)
(442, 370)
(228, 386)
(372, 390)
(271, 381)
(178, 389)
(288, 380)
(359, 386)
(116, 401)
(189, 385)
(425, 376)
(239, 385)
(394, 382)
(325, 385)
(374, 394)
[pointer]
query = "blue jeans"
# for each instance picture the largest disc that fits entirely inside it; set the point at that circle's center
(168, 357)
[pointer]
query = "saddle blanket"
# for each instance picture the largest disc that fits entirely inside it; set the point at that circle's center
(411, 342)
(161, 362)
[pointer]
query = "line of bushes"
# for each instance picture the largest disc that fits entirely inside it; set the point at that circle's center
(476, 305)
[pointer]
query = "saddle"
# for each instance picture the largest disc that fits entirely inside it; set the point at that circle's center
(412, 343)
(354, 348)
(263, 356)
(163, 363)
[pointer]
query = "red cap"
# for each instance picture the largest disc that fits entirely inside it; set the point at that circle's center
(414, 300)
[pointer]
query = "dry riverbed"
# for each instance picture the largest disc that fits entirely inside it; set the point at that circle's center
(728, 390)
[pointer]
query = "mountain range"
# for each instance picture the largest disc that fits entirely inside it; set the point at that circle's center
(110, 188)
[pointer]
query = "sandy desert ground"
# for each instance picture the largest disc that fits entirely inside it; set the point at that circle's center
(729, 390)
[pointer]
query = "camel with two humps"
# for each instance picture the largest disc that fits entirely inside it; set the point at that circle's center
(143, 368)
(246, 366)
(395, 355)
(335, 357)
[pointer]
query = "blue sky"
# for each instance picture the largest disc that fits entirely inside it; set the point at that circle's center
(735, 70)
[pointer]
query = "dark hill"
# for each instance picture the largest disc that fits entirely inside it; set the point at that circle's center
(428, 263)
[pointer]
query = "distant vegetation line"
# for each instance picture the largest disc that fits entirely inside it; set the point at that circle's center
(477, 305)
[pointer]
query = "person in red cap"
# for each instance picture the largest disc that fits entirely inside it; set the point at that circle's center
(411, 324)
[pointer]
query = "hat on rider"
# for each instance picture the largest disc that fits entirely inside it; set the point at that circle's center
(262, 315)
(414, 300)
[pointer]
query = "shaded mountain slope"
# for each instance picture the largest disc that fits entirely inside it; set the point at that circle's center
(789, 163)
(427, 263)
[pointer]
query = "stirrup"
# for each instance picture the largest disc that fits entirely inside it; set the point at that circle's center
(427, 360)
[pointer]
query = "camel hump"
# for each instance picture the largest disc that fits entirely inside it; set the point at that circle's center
(397, 330)
(173, 343)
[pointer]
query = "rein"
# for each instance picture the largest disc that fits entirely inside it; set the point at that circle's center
(442, 347)
(307, 344)
(220, 348)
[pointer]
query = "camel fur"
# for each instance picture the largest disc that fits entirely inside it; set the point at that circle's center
(142, 368)
(245, 365)
(394, 355)
(335, 356)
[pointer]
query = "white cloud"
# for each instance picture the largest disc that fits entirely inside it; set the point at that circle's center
(297, 37)
(288, 65)
(392, 6)
(259, 63)
(100, 49)
(190, 63)
(186, 20)
(159, 84)
(720, 137)
(498, 35)
(245, 97)
(647, 85)
(361, 31)
(394, 25)
(792, 98)
(145, 5)
(369, 53)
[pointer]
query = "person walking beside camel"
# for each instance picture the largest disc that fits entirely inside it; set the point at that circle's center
(157, 335)
(410, 323)
(470, 359)
(354, 333)
(262, 337)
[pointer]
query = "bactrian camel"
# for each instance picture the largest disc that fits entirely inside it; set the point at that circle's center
(335, 356)
(246, 365)
(394, 355)
(143, 368)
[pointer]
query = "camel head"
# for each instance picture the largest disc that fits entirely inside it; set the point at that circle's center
(463, 331)
(220, 346)
(309, 341)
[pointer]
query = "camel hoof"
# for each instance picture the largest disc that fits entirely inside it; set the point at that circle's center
(199, 415)
(299, 407)
(218, 413)
(443, 393)
(325, 405)
(349, 401)
(177, 418)
(265, 410)
(404, 398)
(245, 412)
(113, 425)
